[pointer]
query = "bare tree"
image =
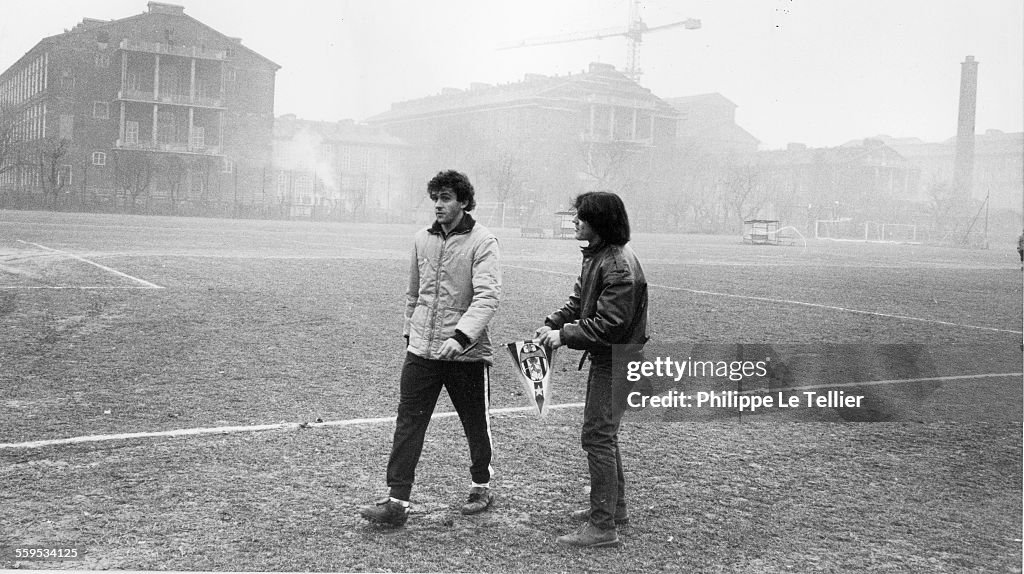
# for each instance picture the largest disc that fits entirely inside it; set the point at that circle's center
(172, 168)
(506, 172)
(56, 175)
(742, 189)
(133, 173)
(610, 165)
(8, 155)
(946, 208)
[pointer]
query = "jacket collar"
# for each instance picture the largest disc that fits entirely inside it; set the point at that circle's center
(464, 226)
(591, 250)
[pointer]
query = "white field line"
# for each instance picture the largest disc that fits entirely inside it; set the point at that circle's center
(103, 267)
(801, 303)
(834, 386)
(238, 429)
(449, 414)
(78, 287)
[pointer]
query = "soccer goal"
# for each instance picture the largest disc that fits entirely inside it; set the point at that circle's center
(843, 228)
(890, 232)
(490, 214)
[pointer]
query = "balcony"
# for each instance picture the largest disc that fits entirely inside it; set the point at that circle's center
(173, 50)
(174, 99)
(182, 148)
(604, 137)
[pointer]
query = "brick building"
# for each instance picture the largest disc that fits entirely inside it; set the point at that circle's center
(998, 171)
(864, 181)
(156, 112)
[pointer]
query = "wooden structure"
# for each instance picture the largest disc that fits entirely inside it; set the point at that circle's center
(762, 232)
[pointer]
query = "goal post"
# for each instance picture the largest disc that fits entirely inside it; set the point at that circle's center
(836, 229)
(490, 213)
(890, 232)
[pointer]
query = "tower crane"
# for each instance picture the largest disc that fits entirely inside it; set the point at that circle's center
(634, 33)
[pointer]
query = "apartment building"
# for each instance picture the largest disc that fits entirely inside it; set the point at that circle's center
(155, 112)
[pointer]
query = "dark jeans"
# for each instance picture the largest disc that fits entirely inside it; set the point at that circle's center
(607, 392)
(468, 386)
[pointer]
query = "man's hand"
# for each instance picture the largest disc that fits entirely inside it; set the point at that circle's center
(450, 349)
(551, 339)
(541, 331)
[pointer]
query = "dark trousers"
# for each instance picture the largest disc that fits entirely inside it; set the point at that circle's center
(468, 386)
(607, 392)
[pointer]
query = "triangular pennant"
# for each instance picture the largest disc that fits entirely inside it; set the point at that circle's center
(533, 366)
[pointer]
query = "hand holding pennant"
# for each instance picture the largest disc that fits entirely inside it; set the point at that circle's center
(533, 366)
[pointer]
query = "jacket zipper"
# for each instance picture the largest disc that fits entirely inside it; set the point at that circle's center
(437, 296)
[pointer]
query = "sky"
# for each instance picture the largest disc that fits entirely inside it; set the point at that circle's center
(817, 72)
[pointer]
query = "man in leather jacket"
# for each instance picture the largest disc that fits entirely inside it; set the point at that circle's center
(607, 309)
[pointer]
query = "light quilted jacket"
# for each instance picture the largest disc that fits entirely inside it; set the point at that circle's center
(454, 285)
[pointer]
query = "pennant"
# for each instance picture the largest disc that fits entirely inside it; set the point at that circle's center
(533, 366)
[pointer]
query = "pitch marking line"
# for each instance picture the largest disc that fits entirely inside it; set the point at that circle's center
(103, 267)
(237, 429)
(75, 287)
(793, 302)
(887, 382)
(382, 420)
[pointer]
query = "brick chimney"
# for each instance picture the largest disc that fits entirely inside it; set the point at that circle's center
(963, 174)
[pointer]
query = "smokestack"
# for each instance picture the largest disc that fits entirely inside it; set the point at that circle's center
(963, 174)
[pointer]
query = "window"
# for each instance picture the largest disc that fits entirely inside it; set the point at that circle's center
(167, 132)
(67, 126)
(99, 158)
(228, 166)
(131, 133)
(101, 110)
(327, 150)
(282, 183)
(198, 137)
(67, 81)
(64, 176)
(102, 60)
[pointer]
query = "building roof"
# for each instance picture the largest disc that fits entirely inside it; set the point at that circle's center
(345, 131)
(534, 89)
(701, 99)
(91, 24)
(846, 154)
(992, 142)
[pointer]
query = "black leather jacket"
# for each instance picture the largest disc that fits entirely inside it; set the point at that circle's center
(608, 305)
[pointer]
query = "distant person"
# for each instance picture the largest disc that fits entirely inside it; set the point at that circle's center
(454, 290)
(608, 306)
(1020, 247)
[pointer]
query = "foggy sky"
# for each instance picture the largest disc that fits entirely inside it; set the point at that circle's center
(818, 72)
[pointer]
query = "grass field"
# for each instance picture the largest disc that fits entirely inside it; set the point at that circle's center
(116, 325)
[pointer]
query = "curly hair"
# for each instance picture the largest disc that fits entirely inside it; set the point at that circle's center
(457, 182)
(605, 213)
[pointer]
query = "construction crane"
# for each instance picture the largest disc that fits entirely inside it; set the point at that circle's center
(634, 32)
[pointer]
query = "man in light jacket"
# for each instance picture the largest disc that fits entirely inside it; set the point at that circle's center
(454, 290)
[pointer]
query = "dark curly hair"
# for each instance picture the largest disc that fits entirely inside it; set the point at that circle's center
(605, 213)
(457, 182)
